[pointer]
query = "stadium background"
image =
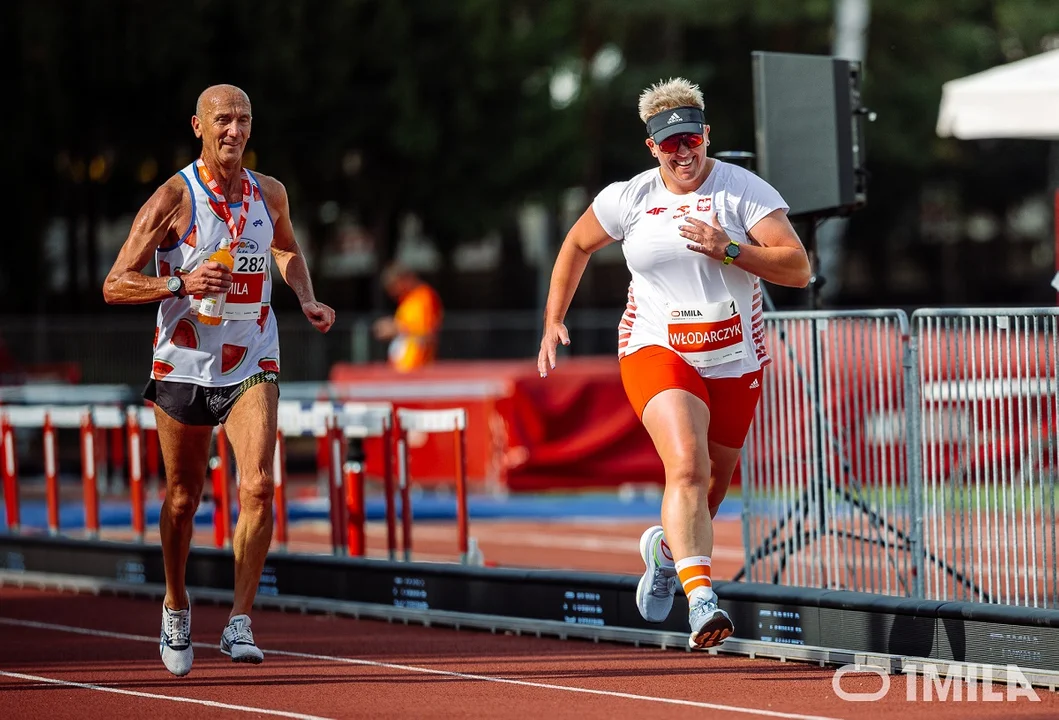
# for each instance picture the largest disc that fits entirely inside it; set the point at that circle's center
(463, 138)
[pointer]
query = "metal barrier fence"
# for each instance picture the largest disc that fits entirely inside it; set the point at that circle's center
(908, 459)
(985, 416)
(825, 502)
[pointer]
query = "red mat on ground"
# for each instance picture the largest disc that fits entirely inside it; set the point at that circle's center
(574, 429)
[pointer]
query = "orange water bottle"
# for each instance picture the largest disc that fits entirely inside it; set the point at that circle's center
(211, 308)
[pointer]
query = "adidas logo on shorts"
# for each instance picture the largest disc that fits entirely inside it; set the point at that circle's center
(755, 384)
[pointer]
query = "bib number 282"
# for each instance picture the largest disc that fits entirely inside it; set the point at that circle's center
(248, 279)
(250, 263)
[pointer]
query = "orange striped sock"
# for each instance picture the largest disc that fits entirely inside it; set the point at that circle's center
(694, 573)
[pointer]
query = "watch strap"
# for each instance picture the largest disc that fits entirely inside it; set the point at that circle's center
(179, 292)
(729, 259)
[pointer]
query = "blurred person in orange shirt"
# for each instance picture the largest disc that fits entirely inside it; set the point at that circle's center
(413, 328)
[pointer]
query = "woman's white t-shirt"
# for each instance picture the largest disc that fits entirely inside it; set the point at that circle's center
(708, 312)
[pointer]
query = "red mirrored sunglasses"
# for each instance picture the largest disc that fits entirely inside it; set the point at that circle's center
(672, 143)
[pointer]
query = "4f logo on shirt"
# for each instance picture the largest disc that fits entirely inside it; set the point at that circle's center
(704, 204)
(656, 211)
(682, 211)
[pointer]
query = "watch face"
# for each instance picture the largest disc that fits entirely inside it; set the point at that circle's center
(173, 284)
(732, 250)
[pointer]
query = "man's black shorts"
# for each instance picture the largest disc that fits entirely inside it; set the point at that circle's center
(197, 405)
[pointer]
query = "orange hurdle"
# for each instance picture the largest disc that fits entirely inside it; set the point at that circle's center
(137, 496)
(222, 508)
(9, 466)
(279, 477)
(49, 419)
(432, 421)
(88, 474)
(357, 421)
(331, 426)
(388, 488)
(51, 475)
(336, 496)
(355, 511)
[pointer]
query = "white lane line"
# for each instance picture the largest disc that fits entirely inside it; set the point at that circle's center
(549, 686)
(430, 671)
(154, 696)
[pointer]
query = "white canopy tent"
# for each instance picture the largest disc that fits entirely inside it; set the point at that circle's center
(1015, 100)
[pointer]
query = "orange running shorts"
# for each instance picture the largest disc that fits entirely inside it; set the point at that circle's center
(650, 370)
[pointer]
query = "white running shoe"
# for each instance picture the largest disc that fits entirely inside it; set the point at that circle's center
(709, 624)
(238, 642)
(654, 592)
(175, 642)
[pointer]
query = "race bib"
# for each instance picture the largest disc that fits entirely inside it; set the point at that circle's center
(706, 334)
(248, 281)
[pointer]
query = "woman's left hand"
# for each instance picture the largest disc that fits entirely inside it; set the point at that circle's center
(707, 238)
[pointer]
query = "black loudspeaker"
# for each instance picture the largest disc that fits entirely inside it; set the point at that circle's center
(809, 124)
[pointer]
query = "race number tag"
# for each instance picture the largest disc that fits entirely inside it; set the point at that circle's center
(248, 280)
(707, 334)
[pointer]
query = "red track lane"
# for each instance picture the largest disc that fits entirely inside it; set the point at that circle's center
(610, 546)
(325, 666)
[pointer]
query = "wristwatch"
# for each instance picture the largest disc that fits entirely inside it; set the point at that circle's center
(731, 252)
(175, 285)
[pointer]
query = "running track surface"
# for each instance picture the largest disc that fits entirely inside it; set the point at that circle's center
(77, 656)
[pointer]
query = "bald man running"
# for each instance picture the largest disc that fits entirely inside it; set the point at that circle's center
(206, 375)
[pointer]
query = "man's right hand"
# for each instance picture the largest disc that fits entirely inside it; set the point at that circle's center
(207, 279)
(385, 328)
(554, 333)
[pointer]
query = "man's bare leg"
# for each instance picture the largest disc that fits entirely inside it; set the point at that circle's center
(185, 451)
(251, 427)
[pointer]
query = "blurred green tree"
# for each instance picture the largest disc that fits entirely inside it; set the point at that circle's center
(460, 111)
